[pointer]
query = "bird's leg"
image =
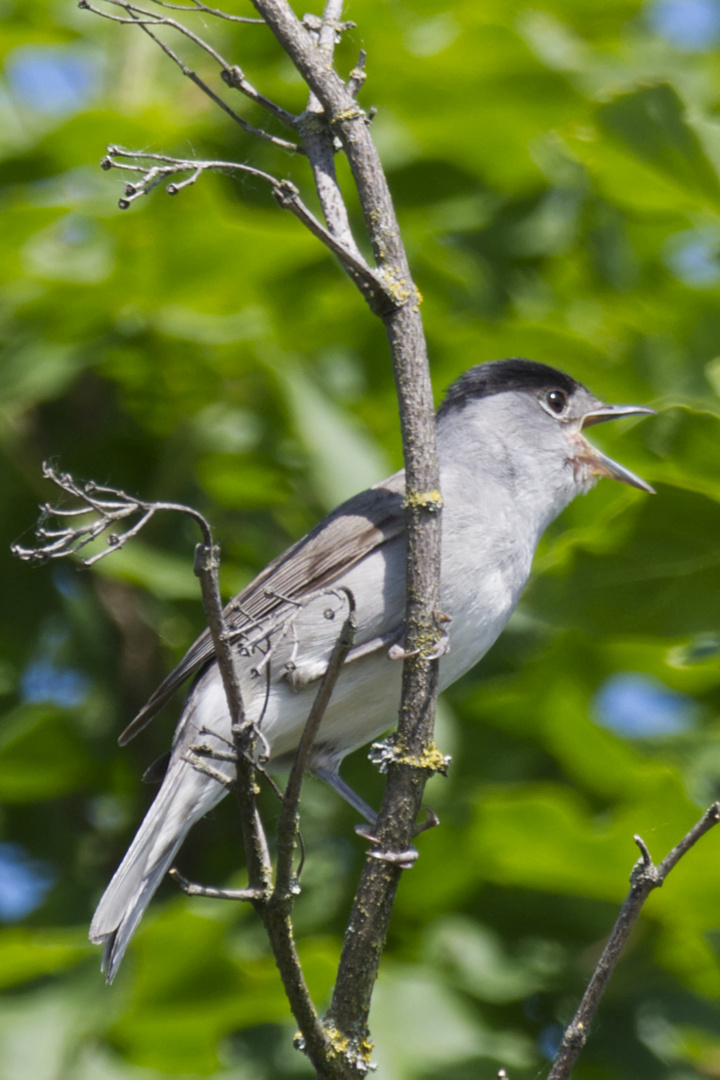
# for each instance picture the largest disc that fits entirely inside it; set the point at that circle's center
(336, 782)
(405, 859)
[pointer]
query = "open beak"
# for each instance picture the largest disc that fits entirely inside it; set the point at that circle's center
(602, 465)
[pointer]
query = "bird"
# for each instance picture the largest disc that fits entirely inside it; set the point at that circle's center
(512, 455)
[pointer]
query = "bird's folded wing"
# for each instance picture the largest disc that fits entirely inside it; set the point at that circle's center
(341, 540)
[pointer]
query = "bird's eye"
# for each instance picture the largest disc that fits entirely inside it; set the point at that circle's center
(556, 400)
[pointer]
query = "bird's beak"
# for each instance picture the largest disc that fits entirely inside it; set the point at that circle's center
(602, 465)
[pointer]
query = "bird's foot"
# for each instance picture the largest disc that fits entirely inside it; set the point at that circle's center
(441, 646)
(430, 822)
(404, 859)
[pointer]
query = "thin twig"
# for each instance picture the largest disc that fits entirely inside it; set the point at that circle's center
(319, 140)
(287, 826)
(234, 77)
(285, 192)
(112, 505)
(205, 10)
(145, 19)
(192, 888)
(358, 75)
(644, 878)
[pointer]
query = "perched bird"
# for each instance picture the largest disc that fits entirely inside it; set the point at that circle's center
(512, 456)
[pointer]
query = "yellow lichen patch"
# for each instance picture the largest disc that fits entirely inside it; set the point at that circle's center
(400, 288)
(429, 758)
(433, 759)
(357, 1051)
(348, 114)
(425, 500)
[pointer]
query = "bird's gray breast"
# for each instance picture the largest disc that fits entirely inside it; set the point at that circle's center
(486, 561)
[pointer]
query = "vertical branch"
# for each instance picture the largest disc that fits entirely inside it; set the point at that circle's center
(365, 938)
(207, 562)
(315, 1040)
(318, 140)
(288, 821)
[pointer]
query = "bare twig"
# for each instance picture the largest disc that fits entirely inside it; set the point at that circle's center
(644, 878)
(110, 505)
(235, 77)
(288, 822)
(316, 1039)
(205, 10)
(285, 192)
(318, 138)
(358, 75)
(145, 19)
(192, 888)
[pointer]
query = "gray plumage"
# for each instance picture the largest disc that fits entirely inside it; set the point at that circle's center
(512, 456)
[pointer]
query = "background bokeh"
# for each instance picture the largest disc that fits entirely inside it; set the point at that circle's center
(556, 169)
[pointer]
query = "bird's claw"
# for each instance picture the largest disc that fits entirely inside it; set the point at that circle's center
(397, 652)
(441, 646)
(431, 820)
(404, 859)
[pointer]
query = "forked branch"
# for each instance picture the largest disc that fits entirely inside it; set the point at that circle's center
(138, 16)
(108, 505)
(644, 878)
(155, 169)
(96, 509)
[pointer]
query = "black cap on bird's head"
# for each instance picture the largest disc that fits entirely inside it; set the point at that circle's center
(561, 397)
(499, 376)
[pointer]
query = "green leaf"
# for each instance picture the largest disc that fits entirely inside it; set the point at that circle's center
(27, 953)
(161, 573)
(41, 756)
(344, 458)
(651, 124)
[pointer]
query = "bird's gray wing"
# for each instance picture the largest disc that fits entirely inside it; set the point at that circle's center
(342, 539)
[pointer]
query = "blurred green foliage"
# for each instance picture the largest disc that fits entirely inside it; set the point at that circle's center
(556, 172)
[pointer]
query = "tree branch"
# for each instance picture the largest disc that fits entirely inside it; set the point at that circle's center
(319, 142)
(145, 19)
(285, 192)
(644, 878)
(198, 6)
(367, 929)
(288, 820)
(110, 505)
(333, 118)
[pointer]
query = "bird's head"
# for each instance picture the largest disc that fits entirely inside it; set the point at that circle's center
(529, 420)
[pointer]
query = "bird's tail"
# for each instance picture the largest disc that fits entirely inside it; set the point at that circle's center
(186, 794)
